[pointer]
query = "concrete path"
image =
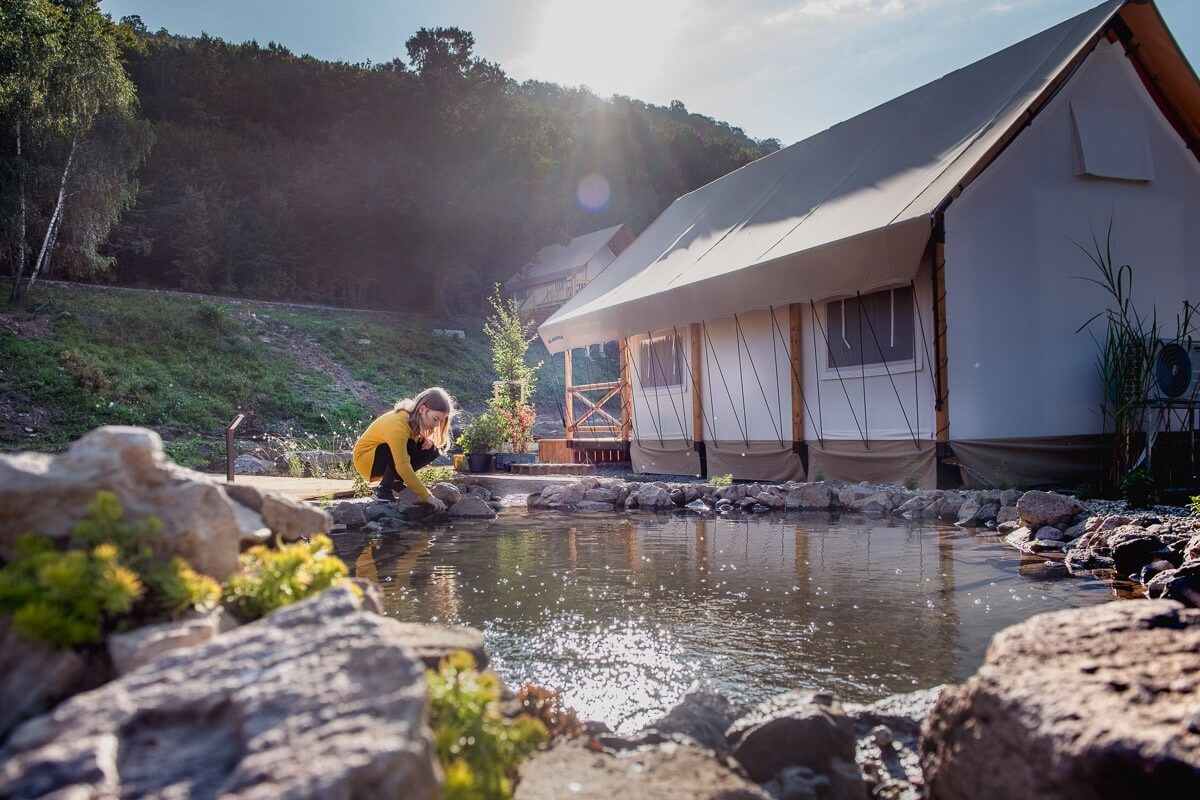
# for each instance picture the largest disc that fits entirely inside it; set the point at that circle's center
(297, 488)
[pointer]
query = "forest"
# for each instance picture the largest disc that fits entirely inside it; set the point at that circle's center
(154, 159)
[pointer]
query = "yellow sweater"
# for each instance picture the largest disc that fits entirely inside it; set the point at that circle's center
(391, 429)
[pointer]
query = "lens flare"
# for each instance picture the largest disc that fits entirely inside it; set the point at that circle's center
(593, 192)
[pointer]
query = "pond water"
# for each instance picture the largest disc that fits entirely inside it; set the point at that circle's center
(623, 613)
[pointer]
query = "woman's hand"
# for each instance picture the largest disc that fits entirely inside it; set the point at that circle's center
(435, 503)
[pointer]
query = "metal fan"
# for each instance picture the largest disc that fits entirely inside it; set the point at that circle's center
(1173, 370)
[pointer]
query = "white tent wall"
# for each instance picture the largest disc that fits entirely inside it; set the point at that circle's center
(662, 416)
(1022, 382)
(836, 421)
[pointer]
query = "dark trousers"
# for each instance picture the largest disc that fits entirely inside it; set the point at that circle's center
(385, 465)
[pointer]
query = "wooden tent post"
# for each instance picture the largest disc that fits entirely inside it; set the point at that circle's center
(626, 392)
(797, 367)
(567, 380)
(939, 341)
(697, 383)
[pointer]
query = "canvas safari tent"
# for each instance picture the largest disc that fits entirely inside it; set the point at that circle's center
(902, 290)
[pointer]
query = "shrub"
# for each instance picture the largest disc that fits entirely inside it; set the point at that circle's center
(482, 434)
(270, 578)
(478, 747)
(1194, 504)
(361, 487)
(213, 315)
(517, 425)
(909, 482)
(85, 371)
(546, 706)
(722, 480)
(1137, 488)
(432, 475)
(72, 599)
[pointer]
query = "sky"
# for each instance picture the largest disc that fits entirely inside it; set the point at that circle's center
(775, 68)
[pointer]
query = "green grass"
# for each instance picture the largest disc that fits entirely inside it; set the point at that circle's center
(185, 367)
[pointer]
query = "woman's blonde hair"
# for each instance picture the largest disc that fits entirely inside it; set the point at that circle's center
(435, 399)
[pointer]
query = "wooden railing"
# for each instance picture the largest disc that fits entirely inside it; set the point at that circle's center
(603, 424)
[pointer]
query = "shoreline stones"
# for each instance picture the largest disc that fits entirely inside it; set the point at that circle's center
(1086, 703)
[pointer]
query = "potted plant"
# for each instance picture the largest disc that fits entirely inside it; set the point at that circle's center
(517, 423)
(479, 441)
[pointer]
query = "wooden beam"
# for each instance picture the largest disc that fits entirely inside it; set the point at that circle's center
(570, 393)
(697, 384)
(626, 393)
(797, 370)
(939, 341)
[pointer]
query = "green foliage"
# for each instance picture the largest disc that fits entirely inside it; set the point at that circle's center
(482, 434)
(85, 371)
(1127, 350)
(909, 481)
(66, 599)
(478, 747)
(72, 599)
(432, 475)
(213, 316)
(721, 480)
(270, 578)
(361, 487)
(1137, 488)
(1194, 504)
(510, 337)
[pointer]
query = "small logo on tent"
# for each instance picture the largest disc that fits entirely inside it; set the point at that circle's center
(555, 338)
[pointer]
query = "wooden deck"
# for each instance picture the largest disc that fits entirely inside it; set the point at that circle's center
(583, 451)
(551, 469)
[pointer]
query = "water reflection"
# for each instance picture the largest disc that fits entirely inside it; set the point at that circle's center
(623, 613)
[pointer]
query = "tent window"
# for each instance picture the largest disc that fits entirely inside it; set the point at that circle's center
(889, 312)
(1111, 142)
(660, 362)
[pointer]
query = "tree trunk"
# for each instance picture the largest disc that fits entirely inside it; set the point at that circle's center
(19, 268)
(48, 240)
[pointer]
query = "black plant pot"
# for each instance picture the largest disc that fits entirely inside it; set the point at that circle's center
(479, 462)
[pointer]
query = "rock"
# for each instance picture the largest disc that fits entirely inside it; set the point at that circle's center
(882, 735)
(51, 493)
(699, 506)
(651, 497)
(1010, 497)
(473, 508)
(131, 650)
(951, 505)
(913, 506)
(448, 493)
(875, 503)
(977, 513)
(798, 729)
(1037, 509)
(815, 496)
(798, 783)
(1048, 533)
(1087, 703)
(319, 699)
(247, 464)
(702, 714)
(560, 496)
(967, 512)
(589, 482)
(601, 495)
(432, 643)
(289, 519)
(1007, 514)
(772, 501)
(1181, 585)
(34, 676)
(352, 515)
(1131, 553)
(892, 770)
(591, 506)
(666, 771)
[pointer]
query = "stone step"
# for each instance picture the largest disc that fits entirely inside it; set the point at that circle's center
(551, 469)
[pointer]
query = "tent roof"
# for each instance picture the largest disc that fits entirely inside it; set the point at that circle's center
(555, 258)
(850, 208)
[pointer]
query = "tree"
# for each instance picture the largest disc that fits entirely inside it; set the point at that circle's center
(86, 93)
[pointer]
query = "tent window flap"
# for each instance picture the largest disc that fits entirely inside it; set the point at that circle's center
(660, 362)
(888, 313)
(1111, 142)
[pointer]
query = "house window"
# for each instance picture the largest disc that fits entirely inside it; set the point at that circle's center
(888, 313)
(660, 362)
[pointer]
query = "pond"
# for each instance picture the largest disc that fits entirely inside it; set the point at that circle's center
(623, 613)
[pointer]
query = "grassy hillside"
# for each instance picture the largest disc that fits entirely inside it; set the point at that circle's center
(74, 357)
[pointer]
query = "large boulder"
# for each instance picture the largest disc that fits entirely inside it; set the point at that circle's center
(815, 496)
(1037, 509)
(139, 647)
(799, 729)
(654, 498)
(471, 507)
(432, 643)
(250, 464)
(319, 699)
(34, 676)
(49, 494)
(448, 493)
(701, 714)
(352, 515)
(666, 771)
(288, 519)
(889, 732)
(1088, 703)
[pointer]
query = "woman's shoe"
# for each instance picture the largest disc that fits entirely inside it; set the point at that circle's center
(384, 494)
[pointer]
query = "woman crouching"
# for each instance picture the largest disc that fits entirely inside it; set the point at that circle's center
(401, 441)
